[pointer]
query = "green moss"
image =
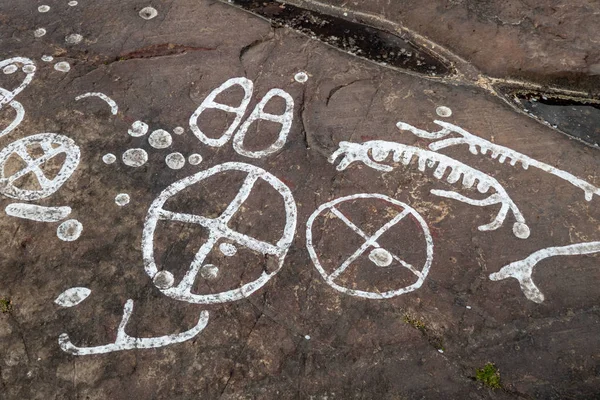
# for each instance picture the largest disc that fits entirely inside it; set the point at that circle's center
(489, 376)
(5, 305)
(414, 322)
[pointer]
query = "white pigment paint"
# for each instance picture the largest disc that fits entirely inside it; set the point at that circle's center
(209, 103)
(217, 230)
(109, 158)
(29, 69)
(52, 145)
(125, 342)
(370, 241)
(160, 139)
(175, 160)
(228, 249)
(374, 152)
(73, 296)
(47, 58)
(37, 213)
(195, 159)
(209, 272)
(62, 66)
(138, 128)
(122, 199)
(73, 38)
(163, 280)
(522, 270)
(44, 8)
(7, 96)
(478, 145)
(178, 130)
(20, 113)
(70, 230)
(114, 108)
(381, 257)
(38, 33)
(148, 13)
(72, 3)
(10, 69)
(259, 114)
(301, 77)
(135, 157)
(443, 111)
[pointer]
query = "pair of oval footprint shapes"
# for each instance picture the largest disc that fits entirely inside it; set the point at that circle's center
(257, 114)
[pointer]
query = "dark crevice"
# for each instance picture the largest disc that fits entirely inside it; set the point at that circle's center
(160, 50)
(351, 37)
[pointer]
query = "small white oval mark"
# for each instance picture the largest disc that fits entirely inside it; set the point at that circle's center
(73, 296)
(381, 257)
(301, 77)
(73, 38)
(10, 69)
(163, 280)
(47, 58)
(138, 128)
(44, 8)
(135, 157)
(209, 271)
(29, 69)
(69, 230)
(148, 13)
(39, 32)
(175, 160)
(109, 158)
(122, 199)
(307, 337)
(62, 66)
(443, 111)
(179, 130)
(521, 230)
(72, 3)
(160, 139)
(228, 249)
(195, 159)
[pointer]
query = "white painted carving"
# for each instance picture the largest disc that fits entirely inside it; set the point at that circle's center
(70, 230)
(39, 32)
(160, 139)
(7, 96)
(301, 77)
(138, 128)
(195, 159)
(258, 114)
(18, 118)
(175, 160)
(73, 38)
(44, 8)
(126, 342)
(72, 297)
(477, 144)
(209, 103)
(228, 249)
(47, 58)
(114, 108)
(52, 145)
(378, 255)
(373, 153)
(148, 13)
(218, 229)
(122, 199)
(109, 158)
(178, 130)
(135, 157)
(62, 66)
(37, 213)
(521, 270)
(443, 111)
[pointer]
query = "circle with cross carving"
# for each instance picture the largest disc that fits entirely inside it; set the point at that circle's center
(380, 253)
(217, 230)
(36, 166)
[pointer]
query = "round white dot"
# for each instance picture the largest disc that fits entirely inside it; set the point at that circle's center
(122, 199)
(39, 32)
(10, 69)
(62, 66)
(148, 13)
(138, 128)
(179, 130)
(228, 249)
(44, 8)
(135, 157)
(69, 230)
(195, 159)
(163, 280)
(521, 230)
(381, 257)
(109, 158)
(29, 69)
(301, 77)
(175, 160)
(209, 271)
(72, 3)
(47, 58)
(443, 111)
(307, 337)
(73, 38)
(160, 139)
